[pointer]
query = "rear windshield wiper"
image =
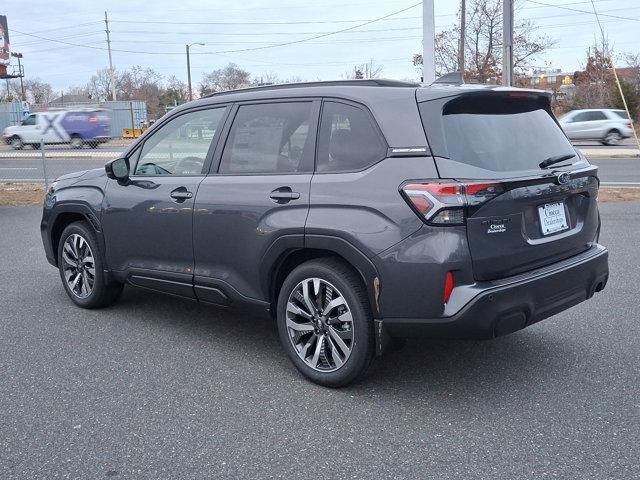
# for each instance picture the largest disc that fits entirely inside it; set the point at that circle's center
(557, 159)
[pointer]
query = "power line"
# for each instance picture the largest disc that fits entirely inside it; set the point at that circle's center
(282, 44)
(582, 11)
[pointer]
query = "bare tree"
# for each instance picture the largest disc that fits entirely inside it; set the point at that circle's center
(483, 43)
(230, 77)
(175, 92)
(99, 85)
(633, 61)
(365, 70)
(36, 91)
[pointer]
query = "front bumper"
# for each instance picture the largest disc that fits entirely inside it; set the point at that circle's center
(505, 306)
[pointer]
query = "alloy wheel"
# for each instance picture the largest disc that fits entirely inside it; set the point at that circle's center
(319, 325)
(613, 138)
(78, 265)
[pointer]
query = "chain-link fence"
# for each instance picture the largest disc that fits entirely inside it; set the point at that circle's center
(45, 163)
(123, 114)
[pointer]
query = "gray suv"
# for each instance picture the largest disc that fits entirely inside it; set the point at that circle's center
(358, 213)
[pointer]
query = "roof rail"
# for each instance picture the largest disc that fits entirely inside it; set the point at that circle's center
(453, 78)
(373, 82)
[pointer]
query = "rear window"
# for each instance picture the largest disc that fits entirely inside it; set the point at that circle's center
(501, 134)
(621, 114)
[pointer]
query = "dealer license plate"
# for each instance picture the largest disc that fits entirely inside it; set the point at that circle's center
(553, 218)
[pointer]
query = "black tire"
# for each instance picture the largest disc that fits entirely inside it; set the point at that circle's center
(612, 138)
(93, 144)
(76, 141)
(104, 291)
(16, 142)
(351, 288)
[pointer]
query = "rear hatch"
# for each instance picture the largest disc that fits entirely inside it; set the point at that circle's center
(528, 215)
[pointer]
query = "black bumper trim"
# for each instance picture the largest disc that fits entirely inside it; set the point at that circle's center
(504, 309)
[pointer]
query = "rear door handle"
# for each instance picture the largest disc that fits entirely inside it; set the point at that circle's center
(283, 195)
(181, 194)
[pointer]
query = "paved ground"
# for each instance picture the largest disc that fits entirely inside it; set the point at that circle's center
(618, 170)
(157, 387)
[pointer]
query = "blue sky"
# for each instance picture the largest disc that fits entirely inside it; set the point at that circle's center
(226, 26)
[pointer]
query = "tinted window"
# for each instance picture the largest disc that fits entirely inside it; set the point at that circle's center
(348, 139)
(621, 114)
(589, 116)
(270, 138)
(30, 120)
(500, 134)
(180, 146)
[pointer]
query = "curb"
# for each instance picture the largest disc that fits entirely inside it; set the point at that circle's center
(613, 153)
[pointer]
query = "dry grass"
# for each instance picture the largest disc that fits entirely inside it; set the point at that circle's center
(14, 194)
(614, 194)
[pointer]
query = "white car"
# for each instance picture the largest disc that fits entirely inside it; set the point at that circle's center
(606, 126)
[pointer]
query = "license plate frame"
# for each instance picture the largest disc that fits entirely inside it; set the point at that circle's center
(553, 218)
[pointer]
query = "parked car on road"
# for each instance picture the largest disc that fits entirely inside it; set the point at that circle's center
(358, 213)
(606, 126)
(75, 127)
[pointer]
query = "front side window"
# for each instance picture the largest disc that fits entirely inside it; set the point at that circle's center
(348, 139)
(180, 147)
(581, 117)
(270, 138)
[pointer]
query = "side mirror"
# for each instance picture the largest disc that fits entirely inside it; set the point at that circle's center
(118, 169)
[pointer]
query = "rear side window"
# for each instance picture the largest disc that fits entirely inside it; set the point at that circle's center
(621, 114)
(270, 138)
(493, 133)
(349, 140)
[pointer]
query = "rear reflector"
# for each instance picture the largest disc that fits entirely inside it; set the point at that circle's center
(448, 287)
(443, 203)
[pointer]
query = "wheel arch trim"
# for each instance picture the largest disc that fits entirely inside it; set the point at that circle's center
(283, 248)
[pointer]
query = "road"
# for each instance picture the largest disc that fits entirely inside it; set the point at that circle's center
(617, 170)
(157, 387)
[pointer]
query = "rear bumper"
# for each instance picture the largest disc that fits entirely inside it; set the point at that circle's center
(505, 306)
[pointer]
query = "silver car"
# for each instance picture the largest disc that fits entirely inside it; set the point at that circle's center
(607, 126)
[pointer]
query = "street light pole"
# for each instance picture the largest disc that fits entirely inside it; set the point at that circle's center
(189, 69)
(507, 42)
(428, 43)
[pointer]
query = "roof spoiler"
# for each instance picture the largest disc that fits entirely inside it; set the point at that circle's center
(453, 78)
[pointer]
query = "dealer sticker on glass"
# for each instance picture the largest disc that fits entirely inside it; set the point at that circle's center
(552, 218)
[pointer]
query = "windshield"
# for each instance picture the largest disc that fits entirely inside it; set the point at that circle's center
(501, 133)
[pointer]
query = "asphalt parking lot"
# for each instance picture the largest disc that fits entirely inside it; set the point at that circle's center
(157, 387)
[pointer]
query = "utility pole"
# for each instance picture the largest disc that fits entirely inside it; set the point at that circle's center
(111, 71)
(507, 43)
(21, 74)
(463, 35)
(428, 42)
(189, 69)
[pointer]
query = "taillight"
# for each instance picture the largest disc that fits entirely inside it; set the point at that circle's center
(629, 126)
(444, 203)
(93, 119)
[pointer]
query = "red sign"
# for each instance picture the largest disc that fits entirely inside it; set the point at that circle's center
(4, 41)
